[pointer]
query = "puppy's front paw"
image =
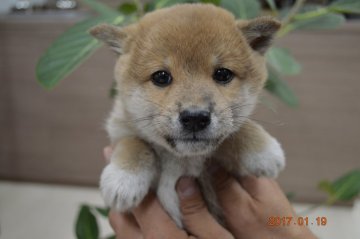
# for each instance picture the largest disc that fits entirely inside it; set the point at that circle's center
(267, 162)
(123, 190)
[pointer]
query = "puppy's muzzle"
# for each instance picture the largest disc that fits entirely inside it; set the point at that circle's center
(195, 121)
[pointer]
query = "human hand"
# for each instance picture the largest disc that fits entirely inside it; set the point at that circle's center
(149, 219)
(247, 207)
(249, 202)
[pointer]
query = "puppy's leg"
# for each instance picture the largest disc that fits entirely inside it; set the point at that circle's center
(127, 179)
(171, 170)
(167, 195)
(252, 150)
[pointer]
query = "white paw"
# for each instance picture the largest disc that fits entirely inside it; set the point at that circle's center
(268, 162)
(123, 190)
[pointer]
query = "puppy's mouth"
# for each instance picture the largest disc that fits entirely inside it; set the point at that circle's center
(194, 139)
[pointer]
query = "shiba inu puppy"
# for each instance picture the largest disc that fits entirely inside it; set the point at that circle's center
(188, 78)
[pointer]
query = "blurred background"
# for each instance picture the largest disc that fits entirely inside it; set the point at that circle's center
(51, 142)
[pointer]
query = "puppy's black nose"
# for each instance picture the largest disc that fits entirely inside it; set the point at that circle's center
(195, 120)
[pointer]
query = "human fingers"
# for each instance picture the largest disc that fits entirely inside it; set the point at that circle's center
(196, 217)
(258, 187)
(237, 205)
(266, 191)
(124, 225)
(154, 222)
(229, 190)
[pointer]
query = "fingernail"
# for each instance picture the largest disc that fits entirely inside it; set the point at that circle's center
(186, 187)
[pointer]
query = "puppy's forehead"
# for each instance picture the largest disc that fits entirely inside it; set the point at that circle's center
(187, 13)
(192, 32)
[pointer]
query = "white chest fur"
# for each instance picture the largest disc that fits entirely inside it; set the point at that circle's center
(171, 169)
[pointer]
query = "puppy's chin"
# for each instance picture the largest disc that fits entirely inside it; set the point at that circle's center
(199, 148)
(192, 148)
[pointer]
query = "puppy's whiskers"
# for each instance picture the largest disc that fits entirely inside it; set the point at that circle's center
(140, 119)
(235, 106)
(254, 119)
(150, 101)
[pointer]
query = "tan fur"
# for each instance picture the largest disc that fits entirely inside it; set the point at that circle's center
(131, 153)
(249, 138)
(175, 47)
(190, 41)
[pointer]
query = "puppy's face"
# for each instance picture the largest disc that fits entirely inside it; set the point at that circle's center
(189, 75)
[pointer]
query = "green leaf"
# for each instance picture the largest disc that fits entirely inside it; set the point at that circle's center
(244, 9)
(282, 61)
(279, 88)
(345, 6)
(313, 17)
(323, 21)
(127, 8)
(100, 8)
(69, 50)
(272, 5)
(311, 9)
(215, 2)
(103, 211)
(167, 3)
(327, 187)
(347, 187)
(86, 224)
(149, 7)
(290, 195)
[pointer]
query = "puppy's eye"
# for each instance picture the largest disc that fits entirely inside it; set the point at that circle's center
(161, 78)
(223, 75)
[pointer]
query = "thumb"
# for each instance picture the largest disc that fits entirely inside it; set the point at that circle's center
(195, 216)
(191, 201)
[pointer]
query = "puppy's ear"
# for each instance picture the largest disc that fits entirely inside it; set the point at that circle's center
(111, 35)
(259, 32)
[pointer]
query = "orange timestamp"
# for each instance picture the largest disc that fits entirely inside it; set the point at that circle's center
(297, 221)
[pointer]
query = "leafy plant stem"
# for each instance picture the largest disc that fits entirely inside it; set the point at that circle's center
(140, 7)
(293, 11)
(272, 5)
(311, 14)
(100, 8)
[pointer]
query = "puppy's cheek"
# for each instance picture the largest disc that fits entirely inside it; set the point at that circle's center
(226, 123)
